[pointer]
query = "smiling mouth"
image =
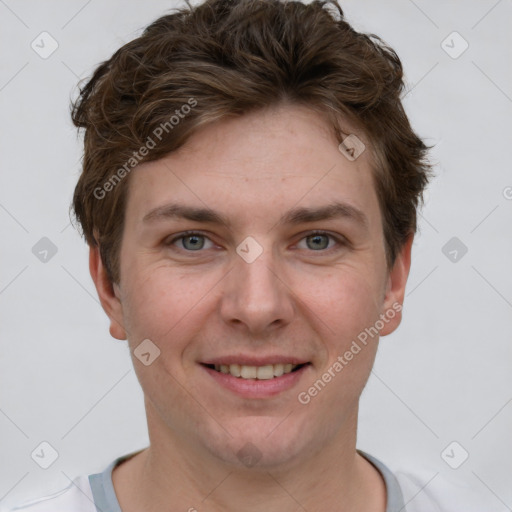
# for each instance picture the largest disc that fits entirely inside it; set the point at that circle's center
(266, 372)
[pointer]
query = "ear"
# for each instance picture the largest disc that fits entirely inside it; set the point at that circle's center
(395, 289)
(108, 294)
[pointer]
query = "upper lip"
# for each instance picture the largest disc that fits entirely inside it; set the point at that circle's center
(248, 360)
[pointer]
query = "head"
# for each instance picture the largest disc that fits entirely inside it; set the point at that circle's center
(239, 108)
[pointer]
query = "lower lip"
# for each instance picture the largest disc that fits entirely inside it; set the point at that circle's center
(255, 388)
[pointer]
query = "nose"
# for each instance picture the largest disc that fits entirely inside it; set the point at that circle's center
(256, 296)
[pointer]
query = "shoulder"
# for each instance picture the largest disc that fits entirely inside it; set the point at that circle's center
(76, 497)
(437, 492)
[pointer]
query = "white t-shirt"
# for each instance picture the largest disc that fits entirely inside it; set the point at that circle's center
(406, 492)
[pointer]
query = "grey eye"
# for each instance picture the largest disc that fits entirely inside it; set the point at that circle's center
(317, 241)
(193, 242)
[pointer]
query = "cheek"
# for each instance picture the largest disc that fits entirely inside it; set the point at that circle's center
(343, 302)
(342, 312)
(159, 303)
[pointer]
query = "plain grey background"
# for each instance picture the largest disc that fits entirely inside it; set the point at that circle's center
(443, 376)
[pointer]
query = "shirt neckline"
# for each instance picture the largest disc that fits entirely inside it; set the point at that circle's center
(105, 498)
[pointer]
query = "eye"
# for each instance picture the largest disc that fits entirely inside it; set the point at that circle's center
(318, 241)
(191, 241)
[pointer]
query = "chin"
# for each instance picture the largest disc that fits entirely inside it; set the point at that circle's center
(260, 442)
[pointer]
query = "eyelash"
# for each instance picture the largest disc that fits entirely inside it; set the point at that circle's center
(339, 240)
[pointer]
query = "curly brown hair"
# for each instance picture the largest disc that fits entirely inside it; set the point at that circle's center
(226, 58)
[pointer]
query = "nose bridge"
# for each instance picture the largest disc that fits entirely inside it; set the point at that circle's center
(255, 294)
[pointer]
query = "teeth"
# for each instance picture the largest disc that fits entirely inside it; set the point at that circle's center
(248, 372)
(266, 372)
(234, 369)
(278, 370)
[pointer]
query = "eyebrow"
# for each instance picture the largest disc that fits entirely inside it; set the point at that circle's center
(297, 215)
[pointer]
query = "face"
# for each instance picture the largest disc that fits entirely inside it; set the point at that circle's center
(258, 246)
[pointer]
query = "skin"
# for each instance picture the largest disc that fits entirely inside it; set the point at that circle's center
(302, 296)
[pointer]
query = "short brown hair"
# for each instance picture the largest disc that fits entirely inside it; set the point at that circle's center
(226, 58)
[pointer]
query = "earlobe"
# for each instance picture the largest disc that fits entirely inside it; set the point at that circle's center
(108, 293)
(395, 289)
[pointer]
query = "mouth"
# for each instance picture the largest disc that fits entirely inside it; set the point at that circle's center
(264, 381)
(265, 372)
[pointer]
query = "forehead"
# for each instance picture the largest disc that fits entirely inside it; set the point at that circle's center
(256, 165)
